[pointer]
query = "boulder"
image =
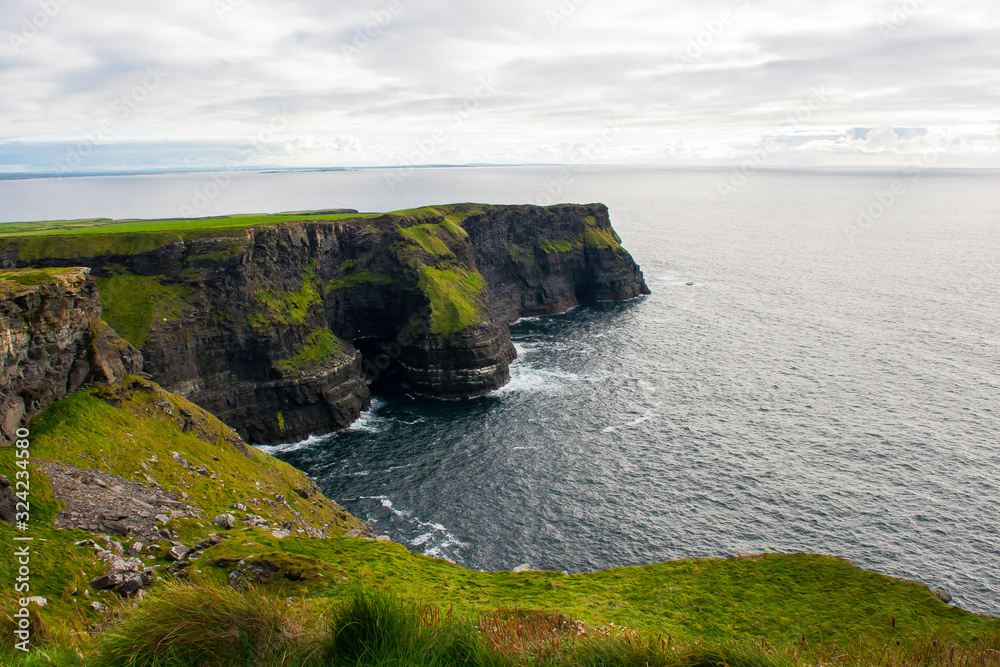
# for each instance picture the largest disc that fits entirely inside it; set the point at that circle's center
(107, 581)
(942, 595)
(8, 501)
(176, 553)
(130, 587)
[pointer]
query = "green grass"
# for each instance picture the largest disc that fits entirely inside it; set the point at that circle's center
(548, 246)
(131, 304)
(597, 237)
(455, 296)
(66, 239)
(13, 281)
(431, 236)
(715, 611)
(781, 597)
(184, 625)
(137, 439)
(443, 230)
(320, 346)
(182, 225)
(288, 308)
(593, 237)
(224, 249)
(433, 239)
(208, 625)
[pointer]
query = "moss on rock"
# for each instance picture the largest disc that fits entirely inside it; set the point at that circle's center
(455, 296)
(320, 347)
(131, 304)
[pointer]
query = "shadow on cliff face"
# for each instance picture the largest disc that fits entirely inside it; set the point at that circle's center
(381, 360)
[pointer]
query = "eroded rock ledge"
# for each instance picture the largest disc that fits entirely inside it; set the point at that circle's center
(53, 343)
(276, 328)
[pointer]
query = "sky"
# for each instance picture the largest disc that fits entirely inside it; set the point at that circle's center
(91, 85)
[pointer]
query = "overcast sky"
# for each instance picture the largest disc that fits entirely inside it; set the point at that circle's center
(97, 84)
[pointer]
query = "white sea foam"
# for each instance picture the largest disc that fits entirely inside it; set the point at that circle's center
(640, 420)
(293, 446)
(369, 422)
(435, 536)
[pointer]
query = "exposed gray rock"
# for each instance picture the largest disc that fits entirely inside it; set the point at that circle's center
(229, 353)
(130, 586)
(8, 501)
(53, 343)
(942, 595)
(107, 581)
(100, 502)
(176, 553)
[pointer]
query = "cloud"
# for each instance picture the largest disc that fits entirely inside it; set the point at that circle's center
(363, 81)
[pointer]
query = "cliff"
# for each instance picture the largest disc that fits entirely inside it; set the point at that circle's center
(130, 470)
(53, 343)
(277, 324)
(135, 491)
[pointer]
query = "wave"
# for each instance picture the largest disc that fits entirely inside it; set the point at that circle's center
(645, 418)
(437, 535)
(369, 422)
(311, 441)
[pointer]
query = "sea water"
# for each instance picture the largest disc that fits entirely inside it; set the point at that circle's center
(816, 370)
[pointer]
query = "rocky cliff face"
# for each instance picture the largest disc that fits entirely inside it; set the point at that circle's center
(275, 329)
(52, 343)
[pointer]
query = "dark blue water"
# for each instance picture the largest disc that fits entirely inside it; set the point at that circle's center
(823, 386)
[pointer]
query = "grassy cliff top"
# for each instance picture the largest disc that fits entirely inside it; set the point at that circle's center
(63, 239)
(16, 281)
(141, 434)
(134, 429)
(192, 228)
(182, 225)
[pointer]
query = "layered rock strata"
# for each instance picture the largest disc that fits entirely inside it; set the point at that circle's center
(53, 343)
(279, 329)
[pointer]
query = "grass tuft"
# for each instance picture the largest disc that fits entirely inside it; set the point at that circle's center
(188, 625)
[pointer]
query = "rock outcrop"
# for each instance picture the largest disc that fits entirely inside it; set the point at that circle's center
(278, 329)
(53, 342)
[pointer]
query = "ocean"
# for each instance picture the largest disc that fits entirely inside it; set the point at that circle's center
(817, 369)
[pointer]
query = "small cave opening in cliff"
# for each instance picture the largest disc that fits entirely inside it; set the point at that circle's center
(586, 294)
(380, 360)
